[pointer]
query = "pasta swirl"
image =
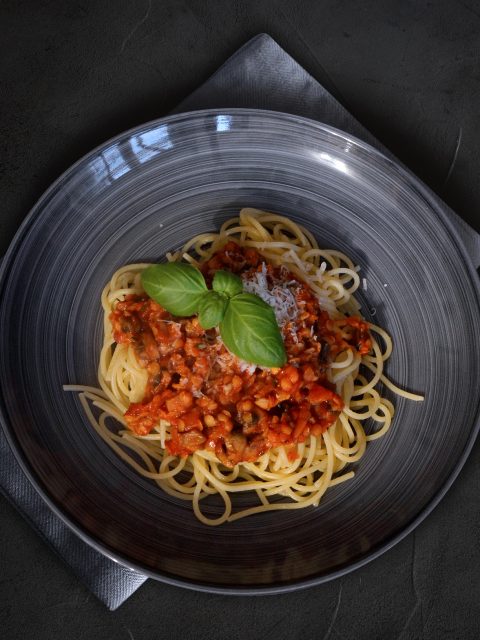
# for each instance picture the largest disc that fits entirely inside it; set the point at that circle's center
(323, 459)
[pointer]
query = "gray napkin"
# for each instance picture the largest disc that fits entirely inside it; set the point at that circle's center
(260, 75)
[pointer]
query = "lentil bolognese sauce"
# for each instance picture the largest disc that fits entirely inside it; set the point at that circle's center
(211, 400)
(190, 404)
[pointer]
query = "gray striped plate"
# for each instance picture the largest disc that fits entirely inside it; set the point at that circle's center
(149, 190)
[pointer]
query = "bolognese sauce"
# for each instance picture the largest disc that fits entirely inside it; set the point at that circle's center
(214, 401)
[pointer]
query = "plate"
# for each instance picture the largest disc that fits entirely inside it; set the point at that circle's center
(146, 192)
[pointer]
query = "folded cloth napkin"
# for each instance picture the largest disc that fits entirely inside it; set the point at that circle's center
(260, 75)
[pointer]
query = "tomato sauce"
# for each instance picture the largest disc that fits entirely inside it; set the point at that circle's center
(214, 401)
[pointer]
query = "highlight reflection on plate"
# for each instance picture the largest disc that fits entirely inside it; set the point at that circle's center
(146, 192)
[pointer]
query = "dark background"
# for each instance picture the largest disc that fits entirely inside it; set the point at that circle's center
(72, 75)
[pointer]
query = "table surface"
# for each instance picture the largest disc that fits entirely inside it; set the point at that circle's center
(76, 73)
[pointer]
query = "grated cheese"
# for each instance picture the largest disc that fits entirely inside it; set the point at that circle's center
(224, 360)
(278, 295)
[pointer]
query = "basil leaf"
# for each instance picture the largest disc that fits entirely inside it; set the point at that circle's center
(177, 286)
(250, 331)
(211, 309)
(227, 283)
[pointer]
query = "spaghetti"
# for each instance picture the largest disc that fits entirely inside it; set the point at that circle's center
(199, 422)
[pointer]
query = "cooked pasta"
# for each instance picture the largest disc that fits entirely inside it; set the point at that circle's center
(274, 441)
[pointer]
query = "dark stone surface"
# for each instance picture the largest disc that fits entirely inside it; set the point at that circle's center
(75, 73)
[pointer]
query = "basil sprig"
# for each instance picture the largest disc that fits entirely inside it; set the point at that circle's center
(247, 324)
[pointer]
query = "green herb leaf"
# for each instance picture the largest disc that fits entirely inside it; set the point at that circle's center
(247, 324)
(211, 309)
(177, 286)
(249, 330)
(227, 283)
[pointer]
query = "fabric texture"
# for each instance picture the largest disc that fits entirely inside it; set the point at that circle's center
(260, 75)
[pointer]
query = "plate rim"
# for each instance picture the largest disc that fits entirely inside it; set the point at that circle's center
(421, 189)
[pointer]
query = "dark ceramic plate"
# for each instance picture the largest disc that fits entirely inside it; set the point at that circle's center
(146, 192)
